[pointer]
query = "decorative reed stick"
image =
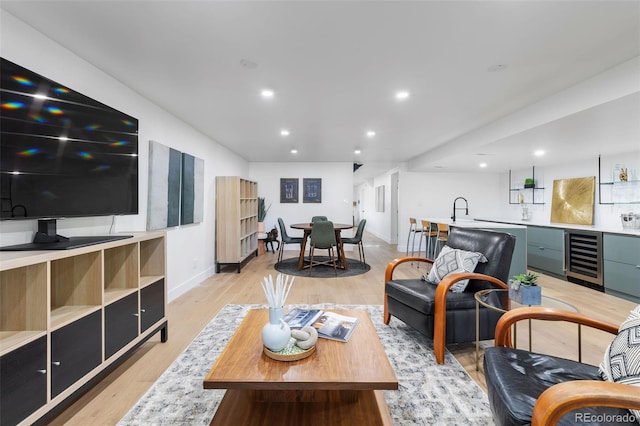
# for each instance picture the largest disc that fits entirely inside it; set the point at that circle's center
(277, 294)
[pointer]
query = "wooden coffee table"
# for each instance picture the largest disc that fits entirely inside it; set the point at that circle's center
(340, 384)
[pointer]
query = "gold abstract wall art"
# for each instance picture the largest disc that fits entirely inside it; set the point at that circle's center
(573, 200)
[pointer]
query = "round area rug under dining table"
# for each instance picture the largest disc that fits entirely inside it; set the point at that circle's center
(290, 267)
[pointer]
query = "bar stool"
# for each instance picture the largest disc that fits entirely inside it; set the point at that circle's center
(413, 229)
(442, 236)
(429, 233)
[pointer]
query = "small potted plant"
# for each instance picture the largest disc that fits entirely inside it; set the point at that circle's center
(524, 290)
(262, 213)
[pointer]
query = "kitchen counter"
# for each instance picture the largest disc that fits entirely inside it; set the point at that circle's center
(519, 258)
(610, 230)
(476, 223)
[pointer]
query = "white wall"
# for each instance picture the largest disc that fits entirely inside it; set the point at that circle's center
(429, 195)
(190, 256)
(337, 193)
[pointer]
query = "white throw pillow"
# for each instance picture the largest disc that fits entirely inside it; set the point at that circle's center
(621, 363)
(450, 261)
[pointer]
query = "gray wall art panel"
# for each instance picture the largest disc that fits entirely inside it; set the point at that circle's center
(163, 204)
(187, 189)
(173, 215)
(198, 184)
(158, 194)
(192, 189)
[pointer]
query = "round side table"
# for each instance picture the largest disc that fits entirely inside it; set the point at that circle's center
(493, 298)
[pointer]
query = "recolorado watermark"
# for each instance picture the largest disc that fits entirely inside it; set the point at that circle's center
(604, 418)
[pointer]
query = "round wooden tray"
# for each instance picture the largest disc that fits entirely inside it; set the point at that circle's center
(289, 357)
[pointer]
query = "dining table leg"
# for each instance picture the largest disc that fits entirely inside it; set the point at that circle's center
(303, 247)
(341, 255)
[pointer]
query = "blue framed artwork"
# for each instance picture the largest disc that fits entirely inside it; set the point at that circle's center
(288, 190)
(312, 190)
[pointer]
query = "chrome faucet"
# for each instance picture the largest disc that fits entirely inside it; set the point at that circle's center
(466, 208)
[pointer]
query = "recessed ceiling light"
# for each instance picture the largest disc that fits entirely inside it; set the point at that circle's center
(294, 151)
(370, 133)
(539, 153)
(284, 132)
(402, 95)
(497, 67)
(357, 151)
(267, 93)
(483, 165)
(248, 64)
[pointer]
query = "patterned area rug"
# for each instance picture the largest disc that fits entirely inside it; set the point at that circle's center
(428, 394)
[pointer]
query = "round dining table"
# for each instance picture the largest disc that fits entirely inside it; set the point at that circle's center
(307, 226)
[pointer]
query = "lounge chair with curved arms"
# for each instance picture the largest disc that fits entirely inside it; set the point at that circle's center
(538, 389)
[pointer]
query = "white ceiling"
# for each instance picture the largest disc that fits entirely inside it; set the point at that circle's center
(335, 66)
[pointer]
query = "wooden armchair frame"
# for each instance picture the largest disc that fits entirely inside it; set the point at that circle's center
(440, 308)
(562, 398)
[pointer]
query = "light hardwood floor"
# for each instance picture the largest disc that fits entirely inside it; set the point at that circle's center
(110, 399)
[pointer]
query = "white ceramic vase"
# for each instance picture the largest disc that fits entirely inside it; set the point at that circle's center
(276, 333)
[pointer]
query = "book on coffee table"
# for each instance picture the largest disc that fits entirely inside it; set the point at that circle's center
(330, 325)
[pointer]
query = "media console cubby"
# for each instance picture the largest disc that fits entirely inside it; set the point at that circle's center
(67, 316)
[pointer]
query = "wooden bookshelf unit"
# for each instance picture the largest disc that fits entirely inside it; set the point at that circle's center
(236, 220)
(66, 316)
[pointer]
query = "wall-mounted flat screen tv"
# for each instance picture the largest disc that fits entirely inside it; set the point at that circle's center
(63, 154)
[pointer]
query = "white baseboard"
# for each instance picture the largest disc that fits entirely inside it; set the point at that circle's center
(184, 287)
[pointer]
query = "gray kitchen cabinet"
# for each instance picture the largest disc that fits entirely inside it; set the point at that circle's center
(545, 249)
(622, 266)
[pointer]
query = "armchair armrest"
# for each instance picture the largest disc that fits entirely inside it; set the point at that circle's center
(502, 336)
(565, 397)
(388, 276)
(440, 307)
(391, 266)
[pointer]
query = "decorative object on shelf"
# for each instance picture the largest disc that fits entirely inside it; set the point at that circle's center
(573, 200)
(262, 213)
(524, 290)
(525, 213)
(624, 174)
(529, 183)
(630, 220)
(276, 333)
(520, 198)
(312, 190)
(288, 190)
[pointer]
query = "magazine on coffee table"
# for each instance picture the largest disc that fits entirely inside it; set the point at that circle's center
(298, 318)
(330, 325)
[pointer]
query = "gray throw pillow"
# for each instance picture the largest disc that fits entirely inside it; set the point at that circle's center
(450, 261)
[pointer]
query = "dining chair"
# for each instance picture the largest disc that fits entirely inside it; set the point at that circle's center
(429, 232)
(323, 236)
(442, 236)
(317, 218)
(285, 238)
(357, 240)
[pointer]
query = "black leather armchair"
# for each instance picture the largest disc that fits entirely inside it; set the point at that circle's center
(538, 389)
(444, 316)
